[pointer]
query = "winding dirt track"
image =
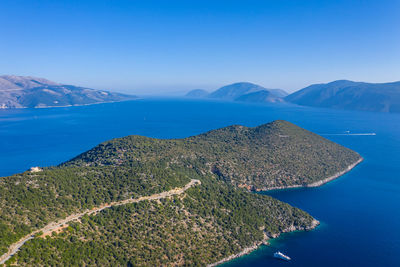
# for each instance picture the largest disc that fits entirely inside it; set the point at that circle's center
(48, 229)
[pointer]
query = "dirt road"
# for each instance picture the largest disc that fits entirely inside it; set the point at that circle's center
(48, 229)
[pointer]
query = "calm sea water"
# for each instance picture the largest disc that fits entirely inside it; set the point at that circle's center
(359, 213)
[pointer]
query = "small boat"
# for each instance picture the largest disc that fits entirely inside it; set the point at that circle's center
(280, 255)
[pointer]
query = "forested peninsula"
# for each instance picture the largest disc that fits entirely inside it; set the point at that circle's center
(205, 223)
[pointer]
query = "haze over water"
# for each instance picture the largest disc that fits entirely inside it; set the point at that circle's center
(358, 212)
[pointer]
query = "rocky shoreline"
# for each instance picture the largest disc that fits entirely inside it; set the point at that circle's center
(336, 175)
(245, 251)
(313, 225)
(318, 183)
(257, 244)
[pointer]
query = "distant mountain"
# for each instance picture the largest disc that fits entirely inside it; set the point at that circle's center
(260, 97)
(197, 93)
(233, 91)
(242, 91)
(343, 94)
(278, 92)
(32, 92)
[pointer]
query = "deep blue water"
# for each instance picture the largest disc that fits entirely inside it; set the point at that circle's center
(359, 213)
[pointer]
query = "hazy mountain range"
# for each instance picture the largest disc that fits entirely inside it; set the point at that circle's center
(341, 94)
(242, 91)
(32, 92)
(197, 93)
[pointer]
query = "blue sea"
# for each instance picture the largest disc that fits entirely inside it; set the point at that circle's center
(359, 212)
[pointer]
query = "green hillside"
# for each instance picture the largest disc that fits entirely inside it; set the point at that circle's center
(209, 223)
(205, 224)
(271, 155)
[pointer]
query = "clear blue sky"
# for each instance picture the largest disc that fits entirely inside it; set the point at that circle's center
(167, 46)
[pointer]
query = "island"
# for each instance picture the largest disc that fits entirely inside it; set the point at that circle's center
(33, 92)
(241, 92)
(139, 201)
(350, 95)
(340, 94)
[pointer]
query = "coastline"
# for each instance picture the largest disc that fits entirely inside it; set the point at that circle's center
(245, 251)
(75, 105)
(257, 244)
(317, 183)
(336, 175)
(314, 223)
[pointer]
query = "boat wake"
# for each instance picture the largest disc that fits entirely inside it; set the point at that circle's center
(350, 134)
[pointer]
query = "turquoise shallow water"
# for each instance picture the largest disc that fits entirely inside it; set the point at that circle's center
(359, 212)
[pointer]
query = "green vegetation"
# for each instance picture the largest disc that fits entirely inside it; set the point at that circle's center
(29, 201)
(207, 223)
(271, 155)
(210, 222)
